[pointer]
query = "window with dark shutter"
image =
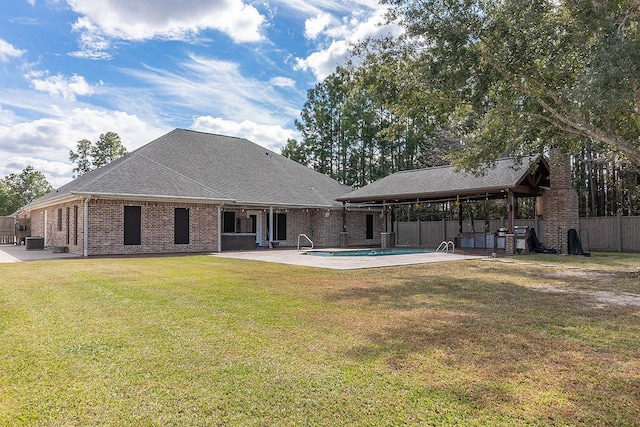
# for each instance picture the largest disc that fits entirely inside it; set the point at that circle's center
(181, 226)
(68, 224)
(75, 222)
(228, 222)
(281, 226)
(369, 227)
(132, 225)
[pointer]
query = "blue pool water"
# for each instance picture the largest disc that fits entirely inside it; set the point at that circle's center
(369, 252)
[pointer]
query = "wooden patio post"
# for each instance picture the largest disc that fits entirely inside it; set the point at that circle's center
(511, 212)
(393, 218)
(344, 236)
(344, 217)
(385, 216)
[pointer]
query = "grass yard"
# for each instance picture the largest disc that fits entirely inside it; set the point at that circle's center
(201, 340)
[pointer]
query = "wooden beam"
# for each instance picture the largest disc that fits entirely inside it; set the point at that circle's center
(511, 211)
(344, 217)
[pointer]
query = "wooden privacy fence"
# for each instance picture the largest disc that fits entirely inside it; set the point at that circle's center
(619, 233)
(614, 233)
(7, 229)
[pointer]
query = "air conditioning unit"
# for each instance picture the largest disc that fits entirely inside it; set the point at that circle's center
(34, 243)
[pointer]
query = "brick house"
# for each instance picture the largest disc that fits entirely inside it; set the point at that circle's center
(191, 191)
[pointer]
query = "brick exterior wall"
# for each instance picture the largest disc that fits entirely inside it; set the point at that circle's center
(36, 223)
(106, 227)
(357, 228)
(69, 232)
(560, 203)
(388, 240)
(326, 229)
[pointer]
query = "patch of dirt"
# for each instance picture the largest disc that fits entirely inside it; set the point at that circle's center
(595, 275)
(619, 299)
(591, 276)
(602, 298)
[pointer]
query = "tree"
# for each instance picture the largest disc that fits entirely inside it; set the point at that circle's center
(322, 127)
(607, 182)
(517, 75)
(108, 148)
(296, 151)
(410, 130)
(4, 199)
(17, 190)
(82, 157)
(89, 156)
(368, 120)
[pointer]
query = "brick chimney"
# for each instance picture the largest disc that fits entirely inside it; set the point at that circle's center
(560, 203)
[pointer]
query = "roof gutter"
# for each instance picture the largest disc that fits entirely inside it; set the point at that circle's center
(150, 197)
(49, 202)
(263, 205)
(426, 196)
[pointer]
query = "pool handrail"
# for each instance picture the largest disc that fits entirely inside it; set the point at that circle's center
(306, 237)
(444, 247)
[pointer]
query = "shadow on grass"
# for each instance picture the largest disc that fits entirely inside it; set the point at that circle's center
(497, 343)
(605, 260)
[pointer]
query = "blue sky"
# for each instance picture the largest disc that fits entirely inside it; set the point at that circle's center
(73, 69)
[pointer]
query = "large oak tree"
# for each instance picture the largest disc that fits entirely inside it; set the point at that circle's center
(517, 75)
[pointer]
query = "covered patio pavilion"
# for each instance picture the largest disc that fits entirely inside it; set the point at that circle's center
(508, 179)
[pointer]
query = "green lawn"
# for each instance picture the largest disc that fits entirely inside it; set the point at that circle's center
(208, 341)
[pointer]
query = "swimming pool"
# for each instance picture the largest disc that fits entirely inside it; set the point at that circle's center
(369, 252)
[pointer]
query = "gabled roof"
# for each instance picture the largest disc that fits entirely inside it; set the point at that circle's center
(445, 181)
(197, 166)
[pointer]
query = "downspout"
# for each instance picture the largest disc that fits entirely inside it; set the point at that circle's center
(220, 227)
(271, 225)
(85, 226)
(45, 226)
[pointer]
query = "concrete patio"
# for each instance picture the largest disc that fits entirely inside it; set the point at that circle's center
(294, 257)
(19, 253)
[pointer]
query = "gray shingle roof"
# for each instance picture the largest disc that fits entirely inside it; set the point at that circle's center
(195, 165)
(442, 181)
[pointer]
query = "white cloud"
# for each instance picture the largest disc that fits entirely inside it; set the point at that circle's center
(55, 172)
(272, 137)
(341, 37)
(282, 82)
(205, 84)
(8, 51)
(45, 143)
(324, 62)
(7, 117)
(148, 19)
(314, 7)
(314, 26)
(59, 85)
(93, 44)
